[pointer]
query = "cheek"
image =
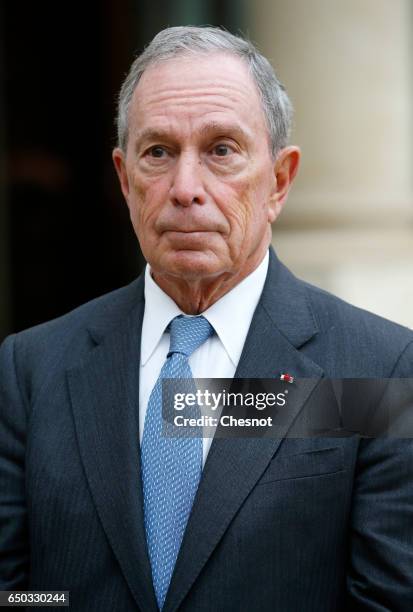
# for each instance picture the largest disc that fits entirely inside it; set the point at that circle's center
(145, 202)
(249, 214)
(246, 205)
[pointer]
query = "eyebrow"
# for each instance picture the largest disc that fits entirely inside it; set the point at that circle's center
(224, 128)
(151, 134)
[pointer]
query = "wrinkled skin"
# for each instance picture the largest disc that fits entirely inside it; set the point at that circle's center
(198, 176)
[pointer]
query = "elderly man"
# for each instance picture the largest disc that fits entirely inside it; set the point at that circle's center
(95, 500)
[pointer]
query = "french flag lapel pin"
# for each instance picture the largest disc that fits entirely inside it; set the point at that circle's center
(287, 378)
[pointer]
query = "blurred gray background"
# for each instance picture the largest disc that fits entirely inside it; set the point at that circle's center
(348, 225)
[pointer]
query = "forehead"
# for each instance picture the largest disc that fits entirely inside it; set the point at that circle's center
(197, 87)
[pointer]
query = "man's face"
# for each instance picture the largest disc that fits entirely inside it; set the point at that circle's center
(198, 175)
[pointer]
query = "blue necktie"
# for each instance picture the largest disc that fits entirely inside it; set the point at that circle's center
(171, 467)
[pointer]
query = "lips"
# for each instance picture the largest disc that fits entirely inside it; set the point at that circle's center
(190, 231)
(189, 226)
(189, 239)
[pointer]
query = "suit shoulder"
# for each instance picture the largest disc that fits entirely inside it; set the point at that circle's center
(329, 308)
(361, 336)
(41, 348)
(101, 308)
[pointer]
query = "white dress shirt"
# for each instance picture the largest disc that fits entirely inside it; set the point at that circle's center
(218, 357)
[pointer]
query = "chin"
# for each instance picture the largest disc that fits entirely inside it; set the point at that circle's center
(191, 265)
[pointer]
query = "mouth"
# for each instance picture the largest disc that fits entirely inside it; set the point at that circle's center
(189, 239)
(190, 231)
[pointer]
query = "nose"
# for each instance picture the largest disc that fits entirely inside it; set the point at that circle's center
(187, 186)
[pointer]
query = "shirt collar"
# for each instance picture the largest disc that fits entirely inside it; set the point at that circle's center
(160, 309)
(230, 316)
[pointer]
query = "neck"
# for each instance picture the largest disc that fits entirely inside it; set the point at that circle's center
(195, 296)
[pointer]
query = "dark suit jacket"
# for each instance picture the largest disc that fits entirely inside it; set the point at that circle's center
(316, 524)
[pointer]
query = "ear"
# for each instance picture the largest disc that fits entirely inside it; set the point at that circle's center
(118, 157)
(285, 169)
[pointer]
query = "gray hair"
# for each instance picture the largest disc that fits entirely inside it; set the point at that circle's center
(172, 42)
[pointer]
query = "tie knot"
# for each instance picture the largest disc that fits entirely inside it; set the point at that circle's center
(188, 333)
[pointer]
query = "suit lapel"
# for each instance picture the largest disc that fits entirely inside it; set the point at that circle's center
(105, 398)
(283, 322)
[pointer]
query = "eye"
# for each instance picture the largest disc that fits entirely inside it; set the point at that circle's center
(222, 150)
(157, 151)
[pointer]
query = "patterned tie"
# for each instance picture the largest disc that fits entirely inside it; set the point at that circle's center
(171, 467)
